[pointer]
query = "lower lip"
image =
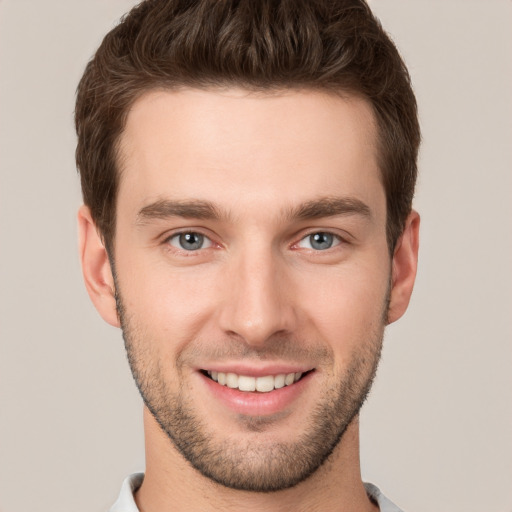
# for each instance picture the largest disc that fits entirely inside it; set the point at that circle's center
(255, 403)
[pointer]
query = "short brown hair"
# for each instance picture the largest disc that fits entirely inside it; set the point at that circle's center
(332, 45)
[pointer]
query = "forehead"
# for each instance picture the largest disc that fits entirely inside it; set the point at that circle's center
(221, 145)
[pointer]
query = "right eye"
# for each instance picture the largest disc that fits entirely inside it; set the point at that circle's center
(189, 241)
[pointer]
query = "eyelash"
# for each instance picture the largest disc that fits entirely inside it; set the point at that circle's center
(181, 250)
(336, 239)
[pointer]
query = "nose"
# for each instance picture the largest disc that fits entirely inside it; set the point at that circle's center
(257, 302)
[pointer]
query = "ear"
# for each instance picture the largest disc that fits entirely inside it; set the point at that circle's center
(96, 268)
(405, 263)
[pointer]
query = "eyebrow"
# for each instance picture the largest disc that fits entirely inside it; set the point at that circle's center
(206, 210)
(330, 207)
(164, 208)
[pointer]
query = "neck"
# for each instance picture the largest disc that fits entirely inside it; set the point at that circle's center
(171, 483)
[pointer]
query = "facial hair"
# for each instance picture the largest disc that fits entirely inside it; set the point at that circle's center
(267, 465)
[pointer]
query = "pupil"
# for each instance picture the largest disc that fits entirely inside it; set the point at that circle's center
(321, 241)
(191, 241)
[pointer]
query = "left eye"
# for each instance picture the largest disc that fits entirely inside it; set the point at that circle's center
(319, 241)
(190, 241)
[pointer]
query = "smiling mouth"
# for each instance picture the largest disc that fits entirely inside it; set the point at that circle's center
(246, 383)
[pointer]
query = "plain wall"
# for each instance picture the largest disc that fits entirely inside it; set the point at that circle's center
(437, 430)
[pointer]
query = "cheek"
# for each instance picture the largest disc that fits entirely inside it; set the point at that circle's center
(171, 304)
(347, 304)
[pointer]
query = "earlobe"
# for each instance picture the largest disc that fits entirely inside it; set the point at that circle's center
(405, 262)
(96, 268)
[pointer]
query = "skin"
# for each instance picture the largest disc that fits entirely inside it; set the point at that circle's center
(258, 159)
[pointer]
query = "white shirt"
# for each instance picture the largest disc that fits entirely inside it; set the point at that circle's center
(126, 502)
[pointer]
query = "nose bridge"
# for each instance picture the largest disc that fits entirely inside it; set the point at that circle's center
(255, 305)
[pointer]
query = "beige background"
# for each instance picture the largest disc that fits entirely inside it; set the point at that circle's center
(437, 431)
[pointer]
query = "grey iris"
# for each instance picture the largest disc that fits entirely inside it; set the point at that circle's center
(321, 241)
(191, 241)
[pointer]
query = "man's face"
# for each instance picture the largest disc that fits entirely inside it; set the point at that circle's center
(252, 274)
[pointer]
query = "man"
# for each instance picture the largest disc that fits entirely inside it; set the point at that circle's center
(248, 171)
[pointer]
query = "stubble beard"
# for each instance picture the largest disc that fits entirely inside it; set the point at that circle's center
(247, 465)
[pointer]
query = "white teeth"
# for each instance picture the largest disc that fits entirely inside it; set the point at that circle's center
(265, 384)
(231, 380)
(279, 381)
(289, 379)
(246, 383)
(261, 384)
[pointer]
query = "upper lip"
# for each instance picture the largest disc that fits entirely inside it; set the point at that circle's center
(256, 371)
